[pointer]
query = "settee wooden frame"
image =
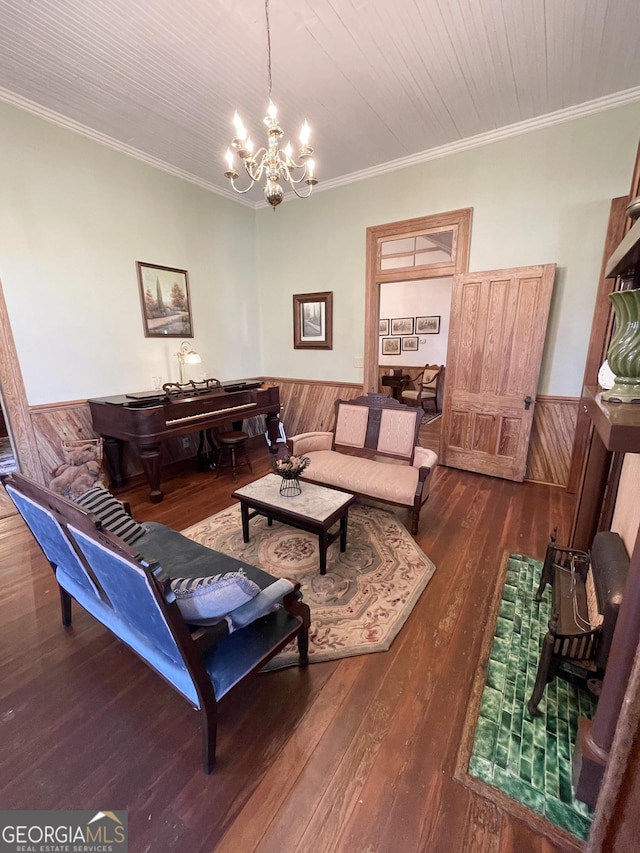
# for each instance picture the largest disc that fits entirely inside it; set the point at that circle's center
(369, 448)
(70, 526)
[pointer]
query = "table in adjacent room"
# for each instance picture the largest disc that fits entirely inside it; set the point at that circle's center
(315, 510)
(396, 383)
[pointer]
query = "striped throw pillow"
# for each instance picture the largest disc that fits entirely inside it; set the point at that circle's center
(111, 513)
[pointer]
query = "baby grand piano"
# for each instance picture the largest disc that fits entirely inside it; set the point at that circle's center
(147, 419)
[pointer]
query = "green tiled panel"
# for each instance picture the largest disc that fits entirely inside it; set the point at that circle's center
(529, 759)
(485, 739)
(491, 705)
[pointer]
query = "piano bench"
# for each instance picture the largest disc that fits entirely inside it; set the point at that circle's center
(231, 443)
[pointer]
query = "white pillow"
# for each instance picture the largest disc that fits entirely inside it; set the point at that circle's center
(203, 601)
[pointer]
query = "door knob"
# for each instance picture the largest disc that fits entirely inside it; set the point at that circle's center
(527, 403)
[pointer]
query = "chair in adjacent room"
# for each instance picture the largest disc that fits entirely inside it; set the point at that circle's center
(428, 389)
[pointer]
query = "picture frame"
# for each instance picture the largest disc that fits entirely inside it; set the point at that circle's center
(391, 346)
(313, 320)
(428, 325)
(165, 301)
(402, 326)
(383, 327)
(410, 343)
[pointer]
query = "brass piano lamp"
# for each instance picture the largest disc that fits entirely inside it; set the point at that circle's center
(186, 355)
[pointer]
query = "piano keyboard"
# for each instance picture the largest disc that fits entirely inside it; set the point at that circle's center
(201, 415)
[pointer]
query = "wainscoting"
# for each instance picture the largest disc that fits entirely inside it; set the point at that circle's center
(306, 406)
(554, 425)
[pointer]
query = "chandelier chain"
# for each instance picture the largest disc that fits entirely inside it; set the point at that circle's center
(266, 14)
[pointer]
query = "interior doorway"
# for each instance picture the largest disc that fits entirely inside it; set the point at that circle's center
(401, 254)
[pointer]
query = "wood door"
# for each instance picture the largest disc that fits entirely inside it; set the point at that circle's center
(496, 338)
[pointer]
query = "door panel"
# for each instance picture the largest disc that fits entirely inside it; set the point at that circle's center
(498, 325)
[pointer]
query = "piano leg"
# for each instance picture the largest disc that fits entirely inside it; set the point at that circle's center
(113, 452)
(151, 459)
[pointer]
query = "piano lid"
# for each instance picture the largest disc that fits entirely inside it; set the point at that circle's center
(173, 392)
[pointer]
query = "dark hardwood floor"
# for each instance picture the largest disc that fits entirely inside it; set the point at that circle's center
(353, 755)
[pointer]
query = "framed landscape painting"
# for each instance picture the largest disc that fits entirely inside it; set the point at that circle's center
(383, 327)
(428, 325)
(164, 297)
(313, 320)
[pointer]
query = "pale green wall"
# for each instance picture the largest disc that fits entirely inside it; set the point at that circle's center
(542, 197)
(75, 216)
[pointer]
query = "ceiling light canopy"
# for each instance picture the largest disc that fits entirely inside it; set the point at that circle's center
(272, 162)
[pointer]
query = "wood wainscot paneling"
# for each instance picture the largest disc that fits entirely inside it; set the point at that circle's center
(55, 423)
(550, 448)
(308, 405)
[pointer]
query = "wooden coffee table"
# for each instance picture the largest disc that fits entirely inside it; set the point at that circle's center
(315, 510)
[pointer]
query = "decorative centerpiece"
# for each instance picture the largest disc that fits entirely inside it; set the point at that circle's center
(290, 468)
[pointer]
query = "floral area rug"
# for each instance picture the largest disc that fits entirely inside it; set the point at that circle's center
(368, 592)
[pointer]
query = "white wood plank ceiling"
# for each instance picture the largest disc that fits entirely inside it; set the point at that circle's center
(381, 83)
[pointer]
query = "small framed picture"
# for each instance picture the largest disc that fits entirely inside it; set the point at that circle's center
(164, 297)
(410, 344)
(383, 327)
(391, 346)
(313, 320)
(402, 326)
(428, 325)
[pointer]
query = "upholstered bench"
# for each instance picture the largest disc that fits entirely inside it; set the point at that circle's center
(200, 619)
(373, 452)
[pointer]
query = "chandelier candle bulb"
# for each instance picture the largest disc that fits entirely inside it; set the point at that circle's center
(241, 133)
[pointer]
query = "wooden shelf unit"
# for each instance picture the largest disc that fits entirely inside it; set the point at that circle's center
(617, 424)
(616, 432)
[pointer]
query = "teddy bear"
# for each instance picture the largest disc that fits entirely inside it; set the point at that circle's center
(79, 473)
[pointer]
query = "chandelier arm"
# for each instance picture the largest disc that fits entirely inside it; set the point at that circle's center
(289, 161)
(300, 195)
(256, 174)
(286, 170)
(295, 181)
(240, 192)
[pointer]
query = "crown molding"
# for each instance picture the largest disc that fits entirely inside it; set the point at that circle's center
(82, 130)
(628, 96)
(618, 99)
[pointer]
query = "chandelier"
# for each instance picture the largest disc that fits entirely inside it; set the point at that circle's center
(271, 162)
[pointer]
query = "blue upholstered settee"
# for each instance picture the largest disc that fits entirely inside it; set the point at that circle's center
(128, 589)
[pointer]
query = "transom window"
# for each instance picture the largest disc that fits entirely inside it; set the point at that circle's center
(417, 250)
